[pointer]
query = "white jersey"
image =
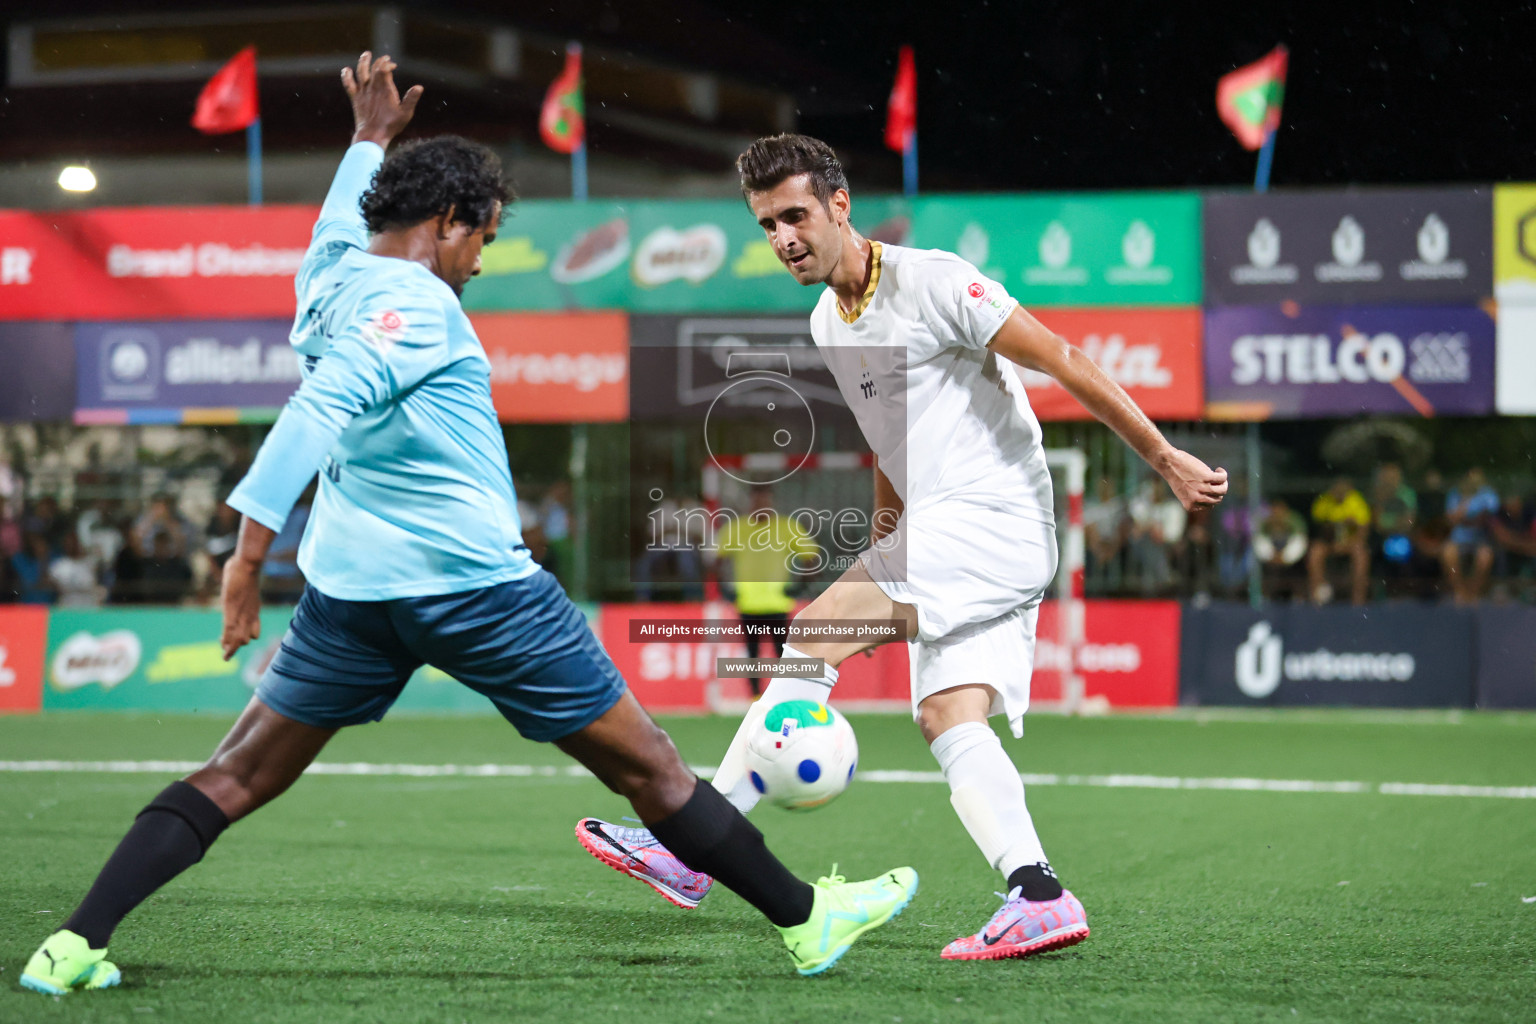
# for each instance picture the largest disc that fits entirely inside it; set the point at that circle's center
(945, 415)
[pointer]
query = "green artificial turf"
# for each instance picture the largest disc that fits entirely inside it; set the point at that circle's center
(385, 899)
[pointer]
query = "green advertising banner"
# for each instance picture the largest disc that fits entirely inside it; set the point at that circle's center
(168, 659)
(1123, 249)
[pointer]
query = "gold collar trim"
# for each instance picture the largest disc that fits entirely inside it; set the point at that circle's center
(869, 292)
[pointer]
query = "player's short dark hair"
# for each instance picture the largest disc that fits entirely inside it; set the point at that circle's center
(774, 158)
(420, 180)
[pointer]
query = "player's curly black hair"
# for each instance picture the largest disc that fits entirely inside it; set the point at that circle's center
(773, 158)
(424, 178)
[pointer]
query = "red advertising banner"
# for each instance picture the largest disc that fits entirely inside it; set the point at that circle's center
(1130, 654)
(557, 367)
(23, 638)
(1153, 353)
(160, 263)
(1130, 658)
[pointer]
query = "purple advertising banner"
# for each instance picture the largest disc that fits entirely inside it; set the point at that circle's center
(1263, 362)
(39, 378)
(159, 372)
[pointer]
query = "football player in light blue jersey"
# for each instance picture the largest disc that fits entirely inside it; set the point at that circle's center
(413, 556)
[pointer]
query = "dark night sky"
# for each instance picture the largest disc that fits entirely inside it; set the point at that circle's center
(1096, 94)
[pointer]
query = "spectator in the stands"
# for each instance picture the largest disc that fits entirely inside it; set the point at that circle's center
(1106, 528)
(73, 574)
(555, 519)
(10, 531)
(128, 583)
(98, 531)
(31, 566)
(1157, 528)
(45, 518)
(10, 582)
(162, 519)
(167, 573)
(1468, 553)
(1513, 529)
(281, 581)
(1340, 519)
(1280, 544)
(1394, 510)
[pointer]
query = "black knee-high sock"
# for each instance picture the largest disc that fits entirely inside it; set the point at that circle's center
(710, 835)
(170, 835)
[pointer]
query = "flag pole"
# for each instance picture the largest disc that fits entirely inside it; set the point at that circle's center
(909, 165)
(579, 172)
(1253, 448)
(1266, 157)
(253, 161)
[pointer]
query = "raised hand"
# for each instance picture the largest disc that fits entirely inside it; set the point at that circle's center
(1196, 485)
(379, 112)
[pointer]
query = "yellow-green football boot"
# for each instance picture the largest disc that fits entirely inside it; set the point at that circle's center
(844, 911)
(67, 961)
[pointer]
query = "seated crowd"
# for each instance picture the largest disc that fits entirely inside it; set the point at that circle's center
(1462, 542)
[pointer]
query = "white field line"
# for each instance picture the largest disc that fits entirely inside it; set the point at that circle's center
(1030, 779)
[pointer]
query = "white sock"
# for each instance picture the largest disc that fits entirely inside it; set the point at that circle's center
(988, 794)
(731, 777)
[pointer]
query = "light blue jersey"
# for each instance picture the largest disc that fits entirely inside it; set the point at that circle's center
(415, 495)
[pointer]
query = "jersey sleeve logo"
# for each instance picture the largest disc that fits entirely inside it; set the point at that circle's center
(988, 299)
(384, 329)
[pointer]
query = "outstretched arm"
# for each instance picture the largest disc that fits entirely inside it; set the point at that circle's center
(379, 113)
(1024, 340)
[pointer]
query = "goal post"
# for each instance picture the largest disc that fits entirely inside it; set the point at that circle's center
(1069, 473)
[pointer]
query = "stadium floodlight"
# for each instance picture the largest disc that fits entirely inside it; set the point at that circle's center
(77, 179)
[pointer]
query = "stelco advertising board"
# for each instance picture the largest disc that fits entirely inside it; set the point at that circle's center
(1263, 362)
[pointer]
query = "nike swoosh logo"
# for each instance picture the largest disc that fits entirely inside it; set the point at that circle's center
(992, 940)
(597, 830)
(820, 715)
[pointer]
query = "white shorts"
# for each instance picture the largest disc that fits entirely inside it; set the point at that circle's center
(999, 654)
(976, 574)
(961, 563)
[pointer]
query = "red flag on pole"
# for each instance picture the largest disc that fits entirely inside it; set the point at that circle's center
(1249, 98)
(901, 111)
(228, 102)
(562, 121)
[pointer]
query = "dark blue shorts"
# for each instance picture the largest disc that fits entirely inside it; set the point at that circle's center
(523, 644)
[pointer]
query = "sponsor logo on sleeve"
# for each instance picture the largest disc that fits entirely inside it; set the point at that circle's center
(384, 329)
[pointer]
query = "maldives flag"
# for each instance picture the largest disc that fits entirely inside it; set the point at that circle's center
(1248, 99)
(228, 102)
(901, 111)
(562, 121)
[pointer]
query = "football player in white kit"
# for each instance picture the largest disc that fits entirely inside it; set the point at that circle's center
(920, 343)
